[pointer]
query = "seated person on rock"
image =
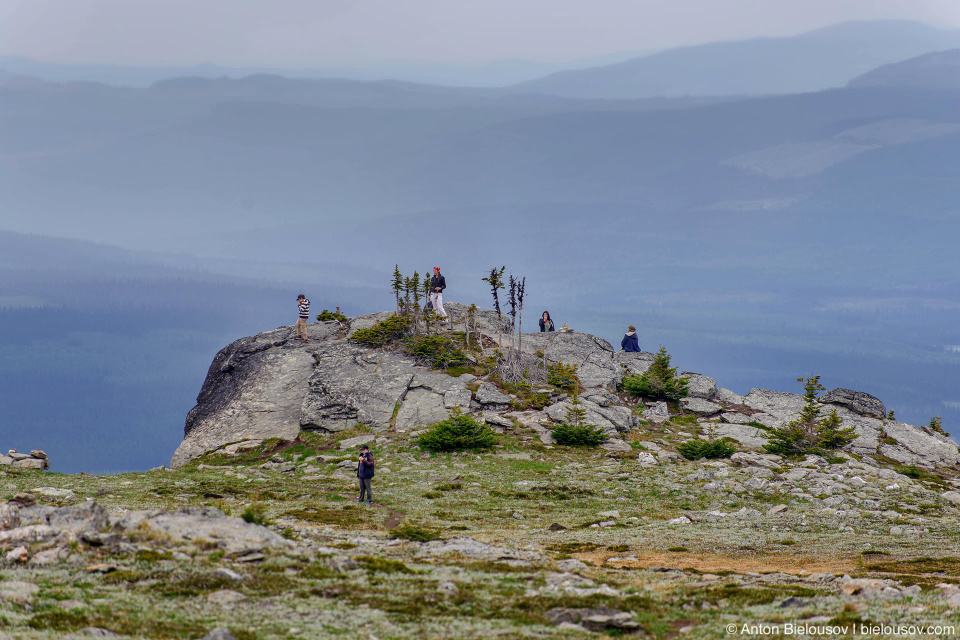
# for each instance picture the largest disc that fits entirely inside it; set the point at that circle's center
(630, 343)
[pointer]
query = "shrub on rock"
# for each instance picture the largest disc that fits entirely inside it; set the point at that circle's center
(575, 432)
(811, 433)
(709, 449)
(384, 332)
(660, 381)
(439, 351)
(584, 435)
(459, 432)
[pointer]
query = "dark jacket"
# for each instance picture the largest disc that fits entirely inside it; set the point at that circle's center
(548, 327)
(438, 281)
(365, 467)
(630, 343)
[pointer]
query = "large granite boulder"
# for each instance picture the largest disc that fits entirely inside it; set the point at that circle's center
(634, 363)
(592, 355)
(253, 389)
(700, 386)
(351, 383)
(860, 402)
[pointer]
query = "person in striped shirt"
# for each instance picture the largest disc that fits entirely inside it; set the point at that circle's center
(303, 306)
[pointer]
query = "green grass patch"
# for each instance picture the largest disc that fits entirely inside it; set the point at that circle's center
(382, 565)
(415, 533)
(346, 515)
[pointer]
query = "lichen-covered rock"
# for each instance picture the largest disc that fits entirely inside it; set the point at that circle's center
(633, 363)
(272, 386)
(727, 397)
(699, 406)
(860, 402)
(700, 386)
(487, 394)
(352, 383)
(592, 355)
(748, 436)
(612, 419)
(253, 389)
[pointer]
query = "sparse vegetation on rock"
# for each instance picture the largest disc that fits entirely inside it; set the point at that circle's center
(809, 432)
(459, 432)
(705, 449)
(660, 381)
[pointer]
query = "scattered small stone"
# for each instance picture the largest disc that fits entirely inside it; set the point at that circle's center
(252, 557)
(18, 554)
(218, 633)
(225, 596)
(24, 499)
(101, 568)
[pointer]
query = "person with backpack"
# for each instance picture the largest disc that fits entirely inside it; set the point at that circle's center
(365, 469)
(303, 307)
(437, 285)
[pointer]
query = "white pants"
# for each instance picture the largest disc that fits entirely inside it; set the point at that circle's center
(436, 298)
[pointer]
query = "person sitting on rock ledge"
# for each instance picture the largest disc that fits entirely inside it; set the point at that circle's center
(630, 343)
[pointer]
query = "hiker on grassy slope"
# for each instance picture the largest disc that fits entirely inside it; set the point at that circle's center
(365, 474)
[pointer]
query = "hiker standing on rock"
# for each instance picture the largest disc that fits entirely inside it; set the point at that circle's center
(365, 474)
(303, 306)
(437, 285)
(630, 343)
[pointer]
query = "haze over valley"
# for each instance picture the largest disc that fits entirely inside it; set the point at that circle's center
(765, 208)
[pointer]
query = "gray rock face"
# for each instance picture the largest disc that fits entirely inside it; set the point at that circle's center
(254, 389)
(657, 414)
(234, 535)
(700, 386)
(860, 402)
(784, 406)
(634, 364)
(488, 394)
(350, 384)
(699, 406)
(612, 419)
(86, 516)
(727, 397)
(748, 436)
(592, 355)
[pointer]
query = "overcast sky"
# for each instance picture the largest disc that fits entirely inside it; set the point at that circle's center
(357, 32)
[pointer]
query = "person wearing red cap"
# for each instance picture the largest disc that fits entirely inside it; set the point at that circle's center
(437, 285)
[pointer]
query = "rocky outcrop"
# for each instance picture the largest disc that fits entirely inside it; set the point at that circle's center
(55, 529)
(36, 459)
(857, 401)
(272, 386)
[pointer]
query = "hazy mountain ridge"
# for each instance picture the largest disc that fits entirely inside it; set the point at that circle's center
(936, 71)
(813, 61)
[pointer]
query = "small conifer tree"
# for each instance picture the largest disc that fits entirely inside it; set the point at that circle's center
(811, 433)
(936, 425)
(495, 280)
(660, 380)
(397, 285)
